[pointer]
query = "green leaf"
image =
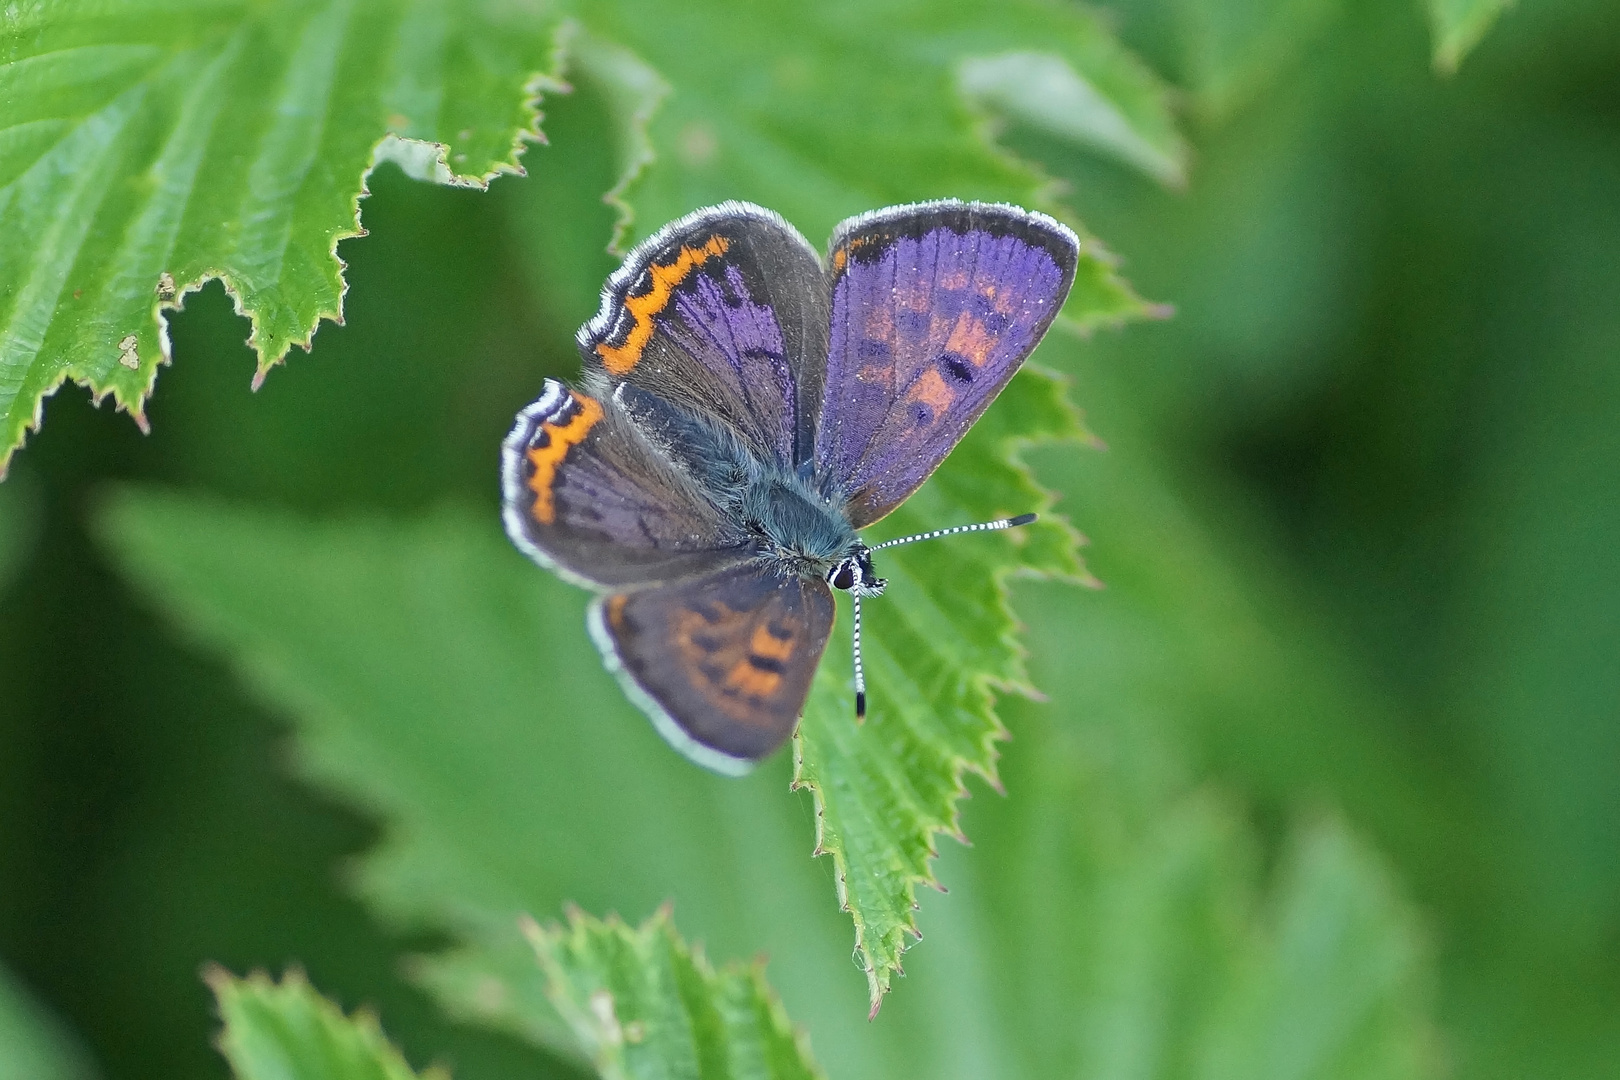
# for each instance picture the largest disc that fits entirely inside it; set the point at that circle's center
(1458, 26)
(645, 1005)
(1110, 910)
(794, 126)
(844, 106)
(1232, 49)
(937, 647)
(1124, 919)
(1043, 91)
(288, 1031)
(1337, 985)
(443, 683)
(33, 1043)
(149, 146)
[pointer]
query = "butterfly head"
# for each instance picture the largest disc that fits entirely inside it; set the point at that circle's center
(854, 574)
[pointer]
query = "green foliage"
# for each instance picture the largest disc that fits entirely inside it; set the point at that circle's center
(1348, 673)
(726, 134)
(937, 646)
(288, 1031)
(407, 655)
(845, 106)
(641, 1002)
(152, 145)
(1189, 969)
(645, 1005)
(33, 1045)
(1458, 26)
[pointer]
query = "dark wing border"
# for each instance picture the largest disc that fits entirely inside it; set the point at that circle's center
(914, 221)
(667, 725)
(635, 263)
(516, 506)
(927, 215)
(512, 448)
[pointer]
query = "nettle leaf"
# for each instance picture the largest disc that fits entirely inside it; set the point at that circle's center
(1458, 26)
(448, 685)
(1114, 912)
(797, 127)
(792, 124)
(644, 1005)
(148, 146)
(937, 646)
(288, 1031)
(441, 682)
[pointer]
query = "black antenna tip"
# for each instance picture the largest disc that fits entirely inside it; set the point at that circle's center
(860, 706)
(1021, 519)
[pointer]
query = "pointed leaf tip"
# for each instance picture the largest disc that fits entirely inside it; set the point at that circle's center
(885, 790)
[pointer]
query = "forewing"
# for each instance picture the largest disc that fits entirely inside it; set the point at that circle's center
(722, 663)
(934, 307)
(724, 314)
(587, 494)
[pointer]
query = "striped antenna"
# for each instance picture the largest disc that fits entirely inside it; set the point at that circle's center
(855, 593)
(999, 523)
(860, 675)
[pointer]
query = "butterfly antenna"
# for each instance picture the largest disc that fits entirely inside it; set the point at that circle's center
(983, 526)
(860, 675)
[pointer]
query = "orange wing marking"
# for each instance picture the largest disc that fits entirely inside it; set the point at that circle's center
(545, 459)
(621, 359)
(765, 643)
(841, 256)
(751, 680)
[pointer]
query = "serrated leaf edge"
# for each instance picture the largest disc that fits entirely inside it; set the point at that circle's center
(534, 89)
(222, 983)
(661, 921)
(1013, 446)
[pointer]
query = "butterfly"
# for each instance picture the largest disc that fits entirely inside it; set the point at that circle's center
(746, 408)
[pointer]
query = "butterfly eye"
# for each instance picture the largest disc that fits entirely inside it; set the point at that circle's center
(842, 576)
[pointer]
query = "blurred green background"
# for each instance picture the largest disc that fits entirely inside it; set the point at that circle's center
(1356, 519)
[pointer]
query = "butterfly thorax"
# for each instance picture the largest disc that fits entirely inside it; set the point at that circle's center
(794, 520)
(794, 526)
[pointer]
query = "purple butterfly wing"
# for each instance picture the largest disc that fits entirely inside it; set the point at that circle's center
(587, 494)
(934, 307)
(721, 316)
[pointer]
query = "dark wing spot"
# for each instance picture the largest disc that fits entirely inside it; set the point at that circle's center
(871, 350)
(912, 323)
(984, 309)
(756, 353)
(767, 663)
(779, 630)
(710, 642)
(956, 367)
(922, 414)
